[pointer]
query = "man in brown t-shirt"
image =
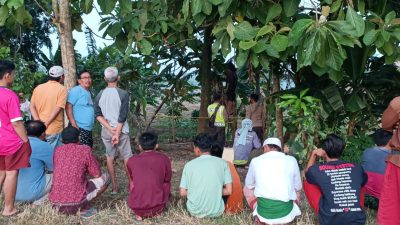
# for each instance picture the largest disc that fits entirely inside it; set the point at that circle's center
(256, 112)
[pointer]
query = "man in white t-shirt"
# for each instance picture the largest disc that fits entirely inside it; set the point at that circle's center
(273, 184)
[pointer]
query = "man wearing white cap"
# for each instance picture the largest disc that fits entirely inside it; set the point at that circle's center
(273, 184)
(111, 110)
(48, 104)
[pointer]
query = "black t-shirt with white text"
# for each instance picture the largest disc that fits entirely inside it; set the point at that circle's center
(340, 183)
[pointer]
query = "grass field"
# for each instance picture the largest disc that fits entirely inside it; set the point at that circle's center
(113, 209)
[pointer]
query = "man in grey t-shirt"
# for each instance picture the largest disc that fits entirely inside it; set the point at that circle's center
(111, 110)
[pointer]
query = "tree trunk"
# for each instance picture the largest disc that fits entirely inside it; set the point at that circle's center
(62, 18)
(276, 88)
(205, 79)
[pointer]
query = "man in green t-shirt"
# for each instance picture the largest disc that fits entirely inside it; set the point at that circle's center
(205, 180)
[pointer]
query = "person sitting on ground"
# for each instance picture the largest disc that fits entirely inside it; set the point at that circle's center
(256, 111)
(340, 183)
(373, 162)
(71, 191)
(273, 185)
(245, 141)
(205, 180)
(150, 173)
(233, 202)
(33, 182)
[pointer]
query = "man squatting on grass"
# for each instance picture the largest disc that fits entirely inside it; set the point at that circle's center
(205, 180)
(150, 174)
(111, 110)
(15, 149)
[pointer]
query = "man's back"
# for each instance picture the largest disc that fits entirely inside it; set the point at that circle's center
(31, 181)
(204, 178)
(274, 176)
(340, 184)
(219, 116)
(256, 112)
(72, 162)
(9, 111)
(112, 104)
(151, 174)
(46, 97)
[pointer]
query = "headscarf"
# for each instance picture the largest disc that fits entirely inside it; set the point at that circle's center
(247, 125)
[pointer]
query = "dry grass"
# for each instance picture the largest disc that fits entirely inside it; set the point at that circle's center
(113, 209)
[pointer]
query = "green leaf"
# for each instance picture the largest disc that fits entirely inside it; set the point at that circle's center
(273, 12)
(225, 45)
(22, 16)
(215, 2)
(164, 27)
(333, 97)
(389, 17)
(145, 47)
(114, 29)
(230, 28)
(288, 96)
(396, 33)
(185, 8)
(319, 70)
(290, 7)
(207, 7)
(271, 51)
(297, 32)
(388, 48)
(254, 60)
(356, 21)
(304, 92)
(244, 31)
(15, 4)
(121, 41)
(86, 6)
(199, 19)
(143, 19)
(263, 61)
(125, 6)
(379, 41)
(241, 58)
(265, 30)
(223, 7)
(385, 35)
(370, 37)
(4, 10)
(280, 42)
(335, 76)
(361, 6)
(246, 45)
(197, 6)
(107, 6)
(260, 47)
(335, 6)
(355, 103)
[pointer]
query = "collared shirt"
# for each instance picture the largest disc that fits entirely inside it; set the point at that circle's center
(275, 176)
(10, 141)
(31, 181)
(82, 107)
(204, 179)
(46, 98)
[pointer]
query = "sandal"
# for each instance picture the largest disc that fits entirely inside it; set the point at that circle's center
(89, 213)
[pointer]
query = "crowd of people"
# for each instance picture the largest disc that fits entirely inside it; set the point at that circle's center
(42, 160)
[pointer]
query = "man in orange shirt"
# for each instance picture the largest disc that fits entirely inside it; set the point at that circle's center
(48, 104)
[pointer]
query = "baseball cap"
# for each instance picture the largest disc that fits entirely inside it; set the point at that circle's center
(56, 71)
(273, 141)
(111, 73)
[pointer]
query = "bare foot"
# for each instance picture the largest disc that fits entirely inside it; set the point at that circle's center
(10, 213)
(139, 218)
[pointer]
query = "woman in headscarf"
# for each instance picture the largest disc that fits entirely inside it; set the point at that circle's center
(245, 140)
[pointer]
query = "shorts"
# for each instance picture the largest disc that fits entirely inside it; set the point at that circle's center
(123, 149)
(93, 188)
(86, 137)
(17, 160)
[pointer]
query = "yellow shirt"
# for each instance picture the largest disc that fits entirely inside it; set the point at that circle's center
(219, 117)
(46, 97)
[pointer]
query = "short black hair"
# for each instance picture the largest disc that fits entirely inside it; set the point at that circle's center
(333, 146)
(148, 140)
(216, 150)
(54, 78)
(70, 134)
(276, 147)
(35, 128)
(79, 74)
(6, 66)
(217, 97)
(255, 97)
(382, 137)
(203, 142)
